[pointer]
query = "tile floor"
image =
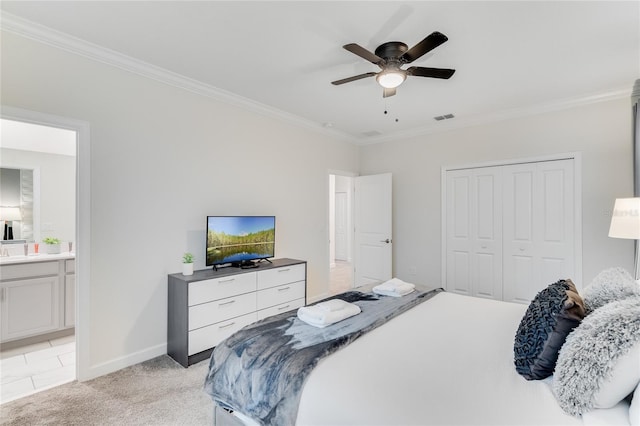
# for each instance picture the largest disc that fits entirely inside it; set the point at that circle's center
(34, 368)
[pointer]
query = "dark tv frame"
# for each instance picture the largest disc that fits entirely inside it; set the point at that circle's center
(252, 262)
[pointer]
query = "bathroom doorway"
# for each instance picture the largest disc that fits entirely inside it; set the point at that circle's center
(38, 351)
(340, 232)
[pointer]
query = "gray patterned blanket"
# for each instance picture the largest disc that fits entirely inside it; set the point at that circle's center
(260, 370)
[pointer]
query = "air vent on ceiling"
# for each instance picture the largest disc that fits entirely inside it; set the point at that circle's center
(443, 117)
(371, 133)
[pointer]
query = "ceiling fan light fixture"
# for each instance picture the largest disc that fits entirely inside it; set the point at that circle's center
(391, 79)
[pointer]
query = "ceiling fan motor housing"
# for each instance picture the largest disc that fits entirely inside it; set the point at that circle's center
(391, 50)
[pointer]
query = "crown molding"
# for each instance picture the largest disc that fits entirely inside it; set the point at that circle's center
(461, 122)
(69, 43)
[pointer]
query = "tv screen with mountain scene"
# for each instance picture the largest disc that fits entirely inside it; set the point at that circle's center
(239, 239)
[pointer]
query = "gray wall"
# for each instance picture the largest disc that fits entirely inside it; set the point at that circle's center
(601, 132)
(161, 160)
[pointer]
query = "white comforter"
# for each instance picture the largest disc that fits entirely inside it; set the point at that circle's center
(448, 361)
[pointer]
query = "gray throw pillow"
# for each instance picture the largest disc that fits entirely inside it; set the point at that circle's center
(609, 285)
(598, 364)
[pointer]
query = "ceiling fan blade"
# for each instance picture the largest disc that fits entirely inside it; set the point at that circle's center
(354, 78)
(388, 92)
(429, 43)
(444, 73)
(363, 53)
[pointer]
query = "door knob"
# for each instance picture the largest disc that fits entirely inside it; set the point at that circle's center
(386, 241)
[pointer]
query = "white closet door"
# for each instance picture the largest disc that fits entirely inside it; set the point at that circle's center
(538, 227)
(474, 232)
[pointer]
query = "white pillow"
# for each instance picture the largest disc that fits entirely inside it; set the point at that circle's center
(622, 380)
(634, 410)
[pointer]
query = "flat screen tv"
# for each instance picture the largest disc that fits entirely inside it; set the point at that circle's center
(240, 240)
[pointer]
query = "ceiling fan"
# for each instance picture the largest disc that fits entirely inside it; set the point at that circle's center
(391, 56)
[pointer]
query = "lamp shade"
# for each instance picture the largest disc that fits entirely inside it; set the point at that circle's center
(625, 221)
(10, 213)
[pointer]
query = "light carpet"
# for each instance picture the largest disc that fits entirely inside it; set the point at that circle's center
(156, 392)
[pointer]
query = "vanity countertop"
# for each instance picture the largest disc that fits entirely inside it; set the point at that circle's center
(40, 257)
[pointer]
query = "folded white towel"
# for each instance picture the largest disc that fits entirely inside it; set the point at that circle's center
(394, 287)
(333, 305)
(321, 317)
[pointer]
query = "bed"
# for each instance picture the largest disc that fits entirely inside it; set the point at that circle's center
(446, 361)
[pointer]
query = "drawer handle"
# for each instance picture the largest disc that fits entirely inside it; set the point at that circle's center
(284, 288)
(283, 307)
(227, 303)
(226, 325)
(227, 281)
(284, 270)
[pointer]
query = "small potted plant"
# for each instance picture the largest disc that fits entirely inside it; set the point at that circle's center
(187, 264)
(52, 245)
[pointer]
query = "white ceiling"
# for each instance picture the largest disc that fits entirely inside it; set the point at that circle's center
(511, 57)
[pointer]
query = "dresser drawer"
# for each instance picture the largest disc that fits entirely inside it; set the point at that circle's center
(221, 310)
(278, 309)
(220, 288)
(278, 276)
(281, 294)
(29, 270)
(207, 337)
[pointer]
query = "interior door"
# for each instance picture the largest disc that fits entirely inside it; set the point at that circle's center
(373, 229)
(538, 227)
(474, 232)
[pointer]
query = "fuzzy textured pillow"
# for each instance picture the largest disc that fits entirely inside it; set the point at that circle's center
(609, 285)
(598, 365)
(550, 317)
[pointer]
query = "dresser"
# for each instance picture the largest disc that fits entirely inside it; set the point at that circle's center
(210, 305)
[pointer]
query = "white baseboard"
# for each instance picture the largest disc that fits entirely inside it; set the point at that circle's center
(125, 361)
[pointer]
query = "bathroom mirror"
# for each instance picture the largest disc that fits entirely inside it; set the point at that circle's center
(17, 190)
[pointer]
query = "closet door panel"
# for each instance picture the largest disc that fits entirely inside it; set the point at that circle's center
(556, 211)
(474, 233)
(539, 223)
(518, 232)
(458, 240)
(487, 213)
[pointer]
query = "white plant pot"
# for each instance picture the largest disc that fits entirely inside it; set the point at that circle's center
(187, 269)
(52, 248)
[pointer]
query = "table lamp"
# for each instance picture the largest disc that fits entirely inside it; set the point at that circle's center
(625, 223)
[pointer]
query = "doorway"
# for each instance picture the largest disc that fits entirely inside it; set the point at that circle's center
(48, 145)
(340, 232)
